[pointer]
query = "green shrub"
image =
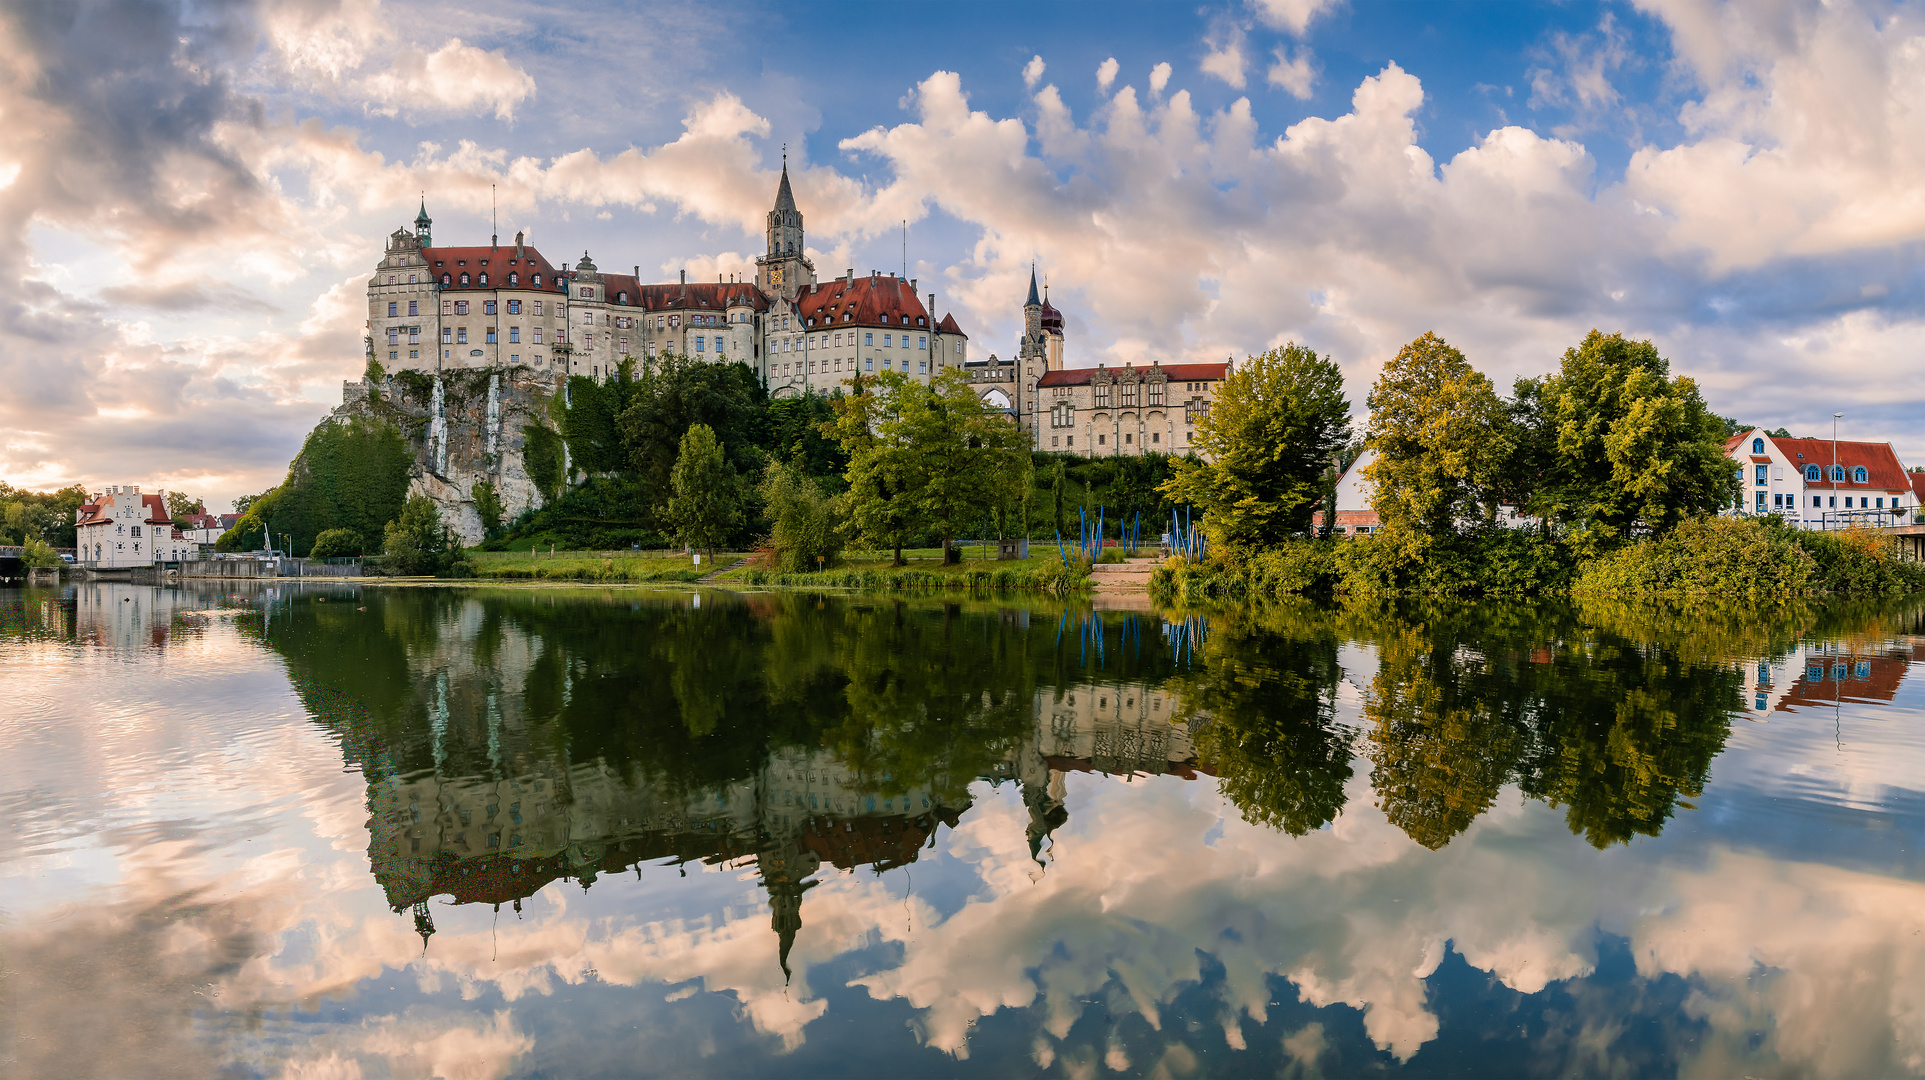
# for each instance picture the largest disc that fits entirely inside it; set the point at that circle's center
(1859, 561)
(1707, 556)
(805, 530)
(336, 544)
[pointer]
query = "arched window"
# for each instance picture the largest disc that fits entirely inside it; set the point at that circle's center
(1837, 474)
(1757, 446)
(1859, 475)
(1812, 473)
(464, 279)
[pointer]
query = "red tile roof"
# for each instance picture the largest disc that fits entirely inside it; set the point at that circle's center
(876, 300)
(1918, 485)
(675, 296)
(501, 261)
(155, 510)
(1880, 462)
(1172, 372)
(948, 326)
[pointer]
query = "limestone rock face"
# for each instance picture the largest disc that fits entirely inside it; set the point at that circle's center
(465, 426)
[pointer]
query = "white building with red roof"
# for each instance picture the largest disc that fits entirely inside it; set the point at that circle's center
(1821, 483)
(121, 527)
(432, 308)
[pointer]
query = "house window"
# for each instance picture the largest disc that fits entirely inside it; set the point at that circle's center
(514, 335)
(447, 335)
(1761, 473)
(136, 530)
(537, 283)
(1812, 473)
(868, 339)
(921, 342)
(461, 335)
(1858, 475)
(491, 336)
(1757, 446)
(464, 279)
(1837, 474)
(414, 354)
(701, 344)
(1761, 502)
(412, 308)
(1881, 504)
(537, 335)
(461, 307)
(487, 307)
(514, 307)
(537, 307)
(393, 309)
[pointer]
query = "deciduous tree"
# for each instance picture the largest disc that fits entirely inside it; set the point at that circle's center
(706, 504)
(1269, 436)
(1442, 440)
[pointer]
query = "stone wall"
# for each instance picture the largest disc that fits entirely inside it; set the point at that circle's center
(465, 426)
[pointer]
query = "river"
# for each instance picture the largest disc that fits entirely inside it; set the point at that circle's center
(334, 831)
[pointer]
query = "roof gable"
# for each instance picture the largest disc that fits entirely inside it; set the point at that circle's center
(1880, 462)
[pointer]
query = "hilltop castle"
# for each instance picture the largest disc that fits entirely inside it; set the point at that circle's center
(433, 308)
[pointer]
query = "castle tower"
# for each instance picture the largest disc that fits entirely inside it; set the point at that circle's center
(785, 270)
(424, 225)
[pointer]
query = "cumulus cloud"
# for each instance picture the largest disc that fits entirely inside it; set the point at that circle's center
(1033, 72)
(1293, 72)
(1106, 74)
(1291, 15)
(1159, 79)
(454, 78)
(348, 48)
(1225, 60)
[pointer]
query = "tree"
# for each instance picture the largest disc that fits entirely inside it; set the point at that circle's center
(336, 544)
(884, 473)
(180, 504)
(1624, 446)
(805, 532)
(673, 394)
(350, 475)
(38, 553)
(964, 450)
(1442, 440)
(418, 542)
(488, 505)
(243, 503)
(706, 504)
(1277, 421)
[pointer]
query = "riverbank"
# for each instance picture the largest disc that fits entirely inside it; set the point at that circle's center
(1713, 556)
(923, 569)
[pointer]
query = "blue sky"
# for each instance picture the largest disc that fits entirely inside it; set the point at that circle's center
(196, 193)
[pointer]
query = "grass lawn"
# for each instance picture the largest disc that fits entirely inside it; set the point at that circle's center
(594, 565)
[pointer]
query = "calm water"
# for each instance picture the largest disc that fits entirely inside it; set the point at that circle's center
(340, 832)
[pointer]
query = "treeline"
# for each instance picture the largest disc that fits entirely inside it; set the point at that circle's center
(44, 517)
(1616, 466)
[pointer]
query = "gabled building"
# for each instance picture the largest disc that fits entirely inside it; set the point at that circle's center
(1819, 483)
(1116, 412)
(122, 528)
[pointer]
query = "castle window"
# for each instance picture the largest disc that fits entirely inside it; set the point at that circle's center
(514, 279)
(491, 335)
(537, 335)
(393, 309)
(1156, 393)
(868, 339)
(514, 335)
(537, 281)
(488, 307)
(411, 279)
(514, 307)
(445, 281)
(885, 341)
(447, 335)
(461, 335)
(1156, 436)
(484, 279)
(412, 308)
(1102, 397)
(394, 335)
(464, 279)
(538, 307)
(1129, 395)
(587, 293)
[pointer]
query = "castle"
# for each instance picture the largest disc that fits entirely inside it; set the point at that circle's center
(433, 308)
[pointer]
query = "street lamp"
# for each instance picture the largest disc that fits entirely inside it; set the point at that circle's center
(1834, 461)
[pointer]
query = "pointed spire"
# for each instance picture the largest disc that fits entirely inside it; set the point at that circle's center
(784, 198)
(1032, 301)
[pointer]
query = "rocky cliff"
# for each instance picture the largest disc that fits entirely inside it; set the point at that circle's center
(467, 427)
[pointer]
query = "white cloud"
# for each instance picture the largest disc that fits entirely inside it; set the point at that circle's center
(1225, 60)
(1291, 15)
(1294, 73)
(1033, 72)
(453, 78)
(1106, 74)
(1159, 79)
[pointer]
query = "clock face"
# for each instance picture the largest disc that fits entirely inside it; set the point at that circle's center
(775, 275)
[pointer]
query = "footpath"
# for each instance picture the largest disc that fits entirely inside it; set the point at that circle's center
(1131, 575)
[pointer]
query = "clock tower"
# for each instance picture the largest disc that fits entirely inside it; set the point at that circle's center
(785, 270)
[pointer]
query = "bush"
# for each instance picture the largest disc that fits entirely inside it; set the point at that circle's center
(417, 542)
(1718, 556)
(336, 544)
(1859, 561)
(805, 530)
(39, 553)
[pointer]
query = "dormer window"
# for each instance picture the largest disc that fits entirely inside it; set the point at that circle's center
(444, 281)
(464, 279)
(1859, 475)
(1837, 474)
(514, 279)
(484, 279)
(537, 281)
(1757, 446)
(1813, 474)
(624, 297)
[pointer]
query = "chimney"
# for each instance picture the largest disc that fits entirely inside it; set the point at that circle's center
(519, 235)
(932, 309)
(852, 275)
(912, 286)
(638, 275)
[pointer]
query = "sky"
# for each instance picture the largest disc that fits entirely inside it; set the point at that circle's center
(194, 195)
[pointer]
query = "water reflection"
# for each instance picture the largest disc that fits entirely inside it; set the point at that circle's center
(1517, 838)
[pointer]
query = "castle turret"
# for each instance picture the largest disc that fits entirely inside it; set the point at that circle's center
(424, 225)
